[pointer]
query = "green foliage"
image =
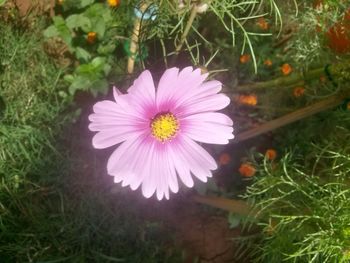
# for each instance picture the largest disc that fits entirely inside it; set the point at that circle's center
(31, 107)
(302, 201)
(90, 34)
(53, 208)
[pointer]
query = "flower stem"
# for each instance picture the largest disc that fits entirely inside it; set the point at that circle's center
(134, 46)
(328, 103)
(293, 79)
(231, 205)
(185, 33)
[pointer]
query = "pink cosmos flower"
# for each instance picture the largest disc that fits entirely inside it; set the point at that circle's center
(158, 129)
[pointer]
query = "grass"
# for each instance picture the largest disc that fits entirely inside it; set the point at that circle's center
(55, 205)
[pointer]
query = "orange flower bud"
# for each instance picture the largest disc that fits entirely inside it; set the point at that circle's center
(286, 69)
(271, 154)
(298, 92)
(91, 37)
(224, 159)
(323, 79)
(113, 3)
(250, 100)
(348, 105)
(244, 58)
(268, 62)
(60, 2)
(247, 170)
(262, 23)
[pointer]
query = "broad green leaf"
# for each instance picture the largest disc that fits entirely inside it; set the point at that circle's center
(69, 78)
(95, 11)
(80, 83)
(79, 21)
(99, 26)
(99, 85)
(106, 49)
(63, 30)
(98, 62)
(82, 54)
(84, 3)
(51, 31)
(2, 2)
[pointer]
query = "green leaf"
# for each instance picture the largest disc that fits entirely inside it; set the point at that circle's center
(99, 85)
(82, 54)
(106, 49)
(63, 30)
(79, 21)
(51, 31)
(96, 11)
(2, 2)
(80, 83)
(69, 78)
(84, 3)
(98, 62)
(99, 26)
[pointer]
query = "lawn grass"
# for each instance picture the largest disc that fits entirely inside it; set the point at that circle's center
(55, 205)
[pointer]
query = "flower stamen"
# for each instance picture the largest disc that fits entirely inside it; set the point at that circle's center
(164, 126)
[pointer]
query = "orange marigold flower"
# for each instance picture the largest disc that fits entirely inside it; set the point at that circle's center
(224, 159)
(91, 37)
(268, 62)
(247, 170)
(298, 92)
(244, 58)
(113, 3)
(323, 79)
(348, 105)
(286, 69)
(251, 99)
(262, 23)
(271, 154)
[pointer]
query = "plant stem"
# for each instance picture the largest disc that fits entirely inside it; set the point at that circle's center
(292, 117)
(296, 78)
(185, 33)
(134, 46)
(230, 205)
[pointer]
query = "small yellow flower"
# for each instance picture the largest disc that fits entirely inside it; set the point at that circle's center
(262, 23)
(271, 154)
(247, 170)
(286, 69)
(298, 92)
(113, 3)
(268, 62)
(250, 100)
(244, 58)
(91, 37)
(224, 159)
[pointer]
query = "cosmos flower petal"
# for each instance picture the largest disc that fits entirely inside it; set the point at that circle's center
(178, 86)
(206, 89)
(116, 93)
(144, 87)
(105, 139)
(181, 168)
(209, 117)
(167, 85)
(207, 104)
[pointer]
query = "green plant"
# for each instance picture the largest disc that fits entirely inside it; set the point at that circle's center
(90, 31)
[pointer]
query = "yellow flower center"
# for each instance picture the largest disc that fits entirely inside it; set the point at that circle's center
(164, 126)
